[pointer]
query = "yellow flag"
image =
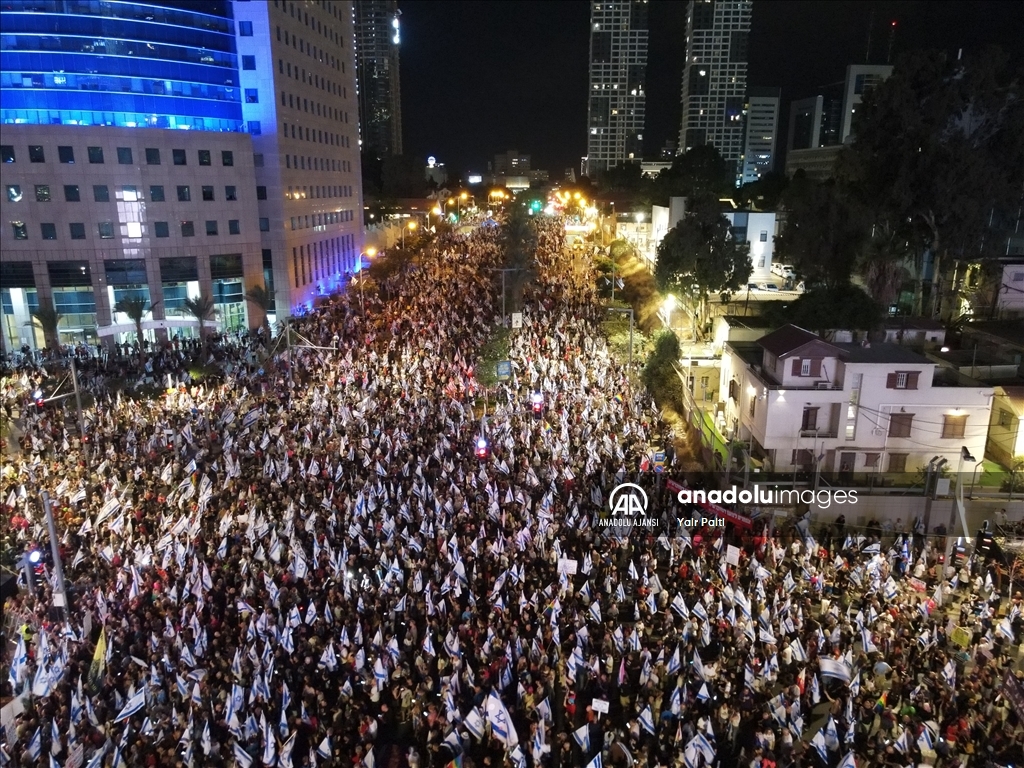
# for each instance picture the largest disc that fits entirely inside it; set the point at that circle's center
(99, 659)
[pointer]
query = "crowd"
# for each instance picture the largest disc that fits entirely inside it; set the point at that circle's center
(330, 557)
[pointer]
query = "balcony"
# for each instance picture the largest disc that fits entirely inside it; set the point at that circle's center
(823, 433)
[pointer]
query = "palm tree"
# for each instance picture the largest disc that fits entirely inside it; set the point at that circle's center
(202, 309)
(48, 319)
(136, 308)
(263, 300)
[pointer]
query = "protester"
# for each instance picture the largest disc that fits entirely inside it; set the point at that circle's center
(316, 561)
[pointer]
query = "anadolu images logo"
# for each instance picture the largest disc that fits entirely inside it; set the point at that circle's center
(628, 500)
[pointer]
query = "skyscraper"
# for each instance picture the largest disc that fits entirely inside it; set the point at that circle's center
(762, 128)
(378, 35)
(715, 77)
(618, 70)
(172, 151)
(860, 78)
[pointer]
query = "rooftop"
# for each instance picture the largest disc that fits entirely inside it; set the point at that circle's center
(881, 353)
(789, 338)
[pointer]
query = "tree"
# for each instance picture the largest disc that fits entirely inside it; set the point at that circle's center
(625, 177)
(263, 300)
(824, 233)
(885, 263)
(700, 257)
(202, 309)
(48, 319)
(136, 307)
(941, 144)
(701, 171)
(828, 309)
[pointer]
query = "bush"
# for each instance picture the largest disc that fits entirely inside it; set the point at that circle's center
(493, 351)
(659, 375)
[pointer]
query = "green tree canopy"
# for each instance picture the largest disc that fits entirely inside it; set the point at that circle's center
(136, 308)
(263, 300)
(827, 309)
(699, 257)
(824, 233)
(941, 144)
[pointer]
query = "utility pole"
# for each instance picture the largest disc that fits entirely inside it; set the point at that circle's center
(503, 271)
(78, 402)
(60, 595)
(288, 344)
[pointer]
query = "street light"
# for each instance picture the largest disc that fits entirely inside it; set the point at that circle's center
(958, 502)
(411, 226)
(369, 253)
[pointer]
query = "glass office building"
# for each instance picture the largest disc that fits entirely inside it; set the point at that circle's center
(160, 64)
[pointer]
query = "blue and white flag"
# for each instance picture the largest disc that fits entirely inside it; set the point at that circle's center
(582, 736)
(243, 758)
(833, 668)
(135, 704)
(647, 720)
(596, 762)
(35, 745)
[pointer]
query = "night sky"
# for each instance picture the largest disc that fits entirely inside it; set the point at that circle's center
(479, 78)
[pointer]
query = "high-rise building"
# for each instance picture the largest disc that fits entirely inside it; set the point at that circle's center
(511, 163)
(860, 78)
(762, 116)
(378, 34)
(715, 77)
(174, 151)
(815, 121)
(618, 71)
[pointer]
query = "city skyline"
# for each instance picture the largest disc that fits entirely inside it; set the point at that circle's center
(534, 97)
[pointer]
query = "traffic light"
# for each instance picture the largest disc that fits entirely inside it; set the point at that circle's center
(483, 449)
(537, 402)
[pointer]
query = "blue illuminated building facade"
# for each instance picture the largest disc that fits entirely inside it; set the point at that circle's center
(173, 149)
(161, 64)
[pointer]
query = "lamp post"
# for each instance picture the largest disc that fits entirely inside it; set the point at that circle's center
(369, 253)
(411, 226)
(60, 595)
(958, 502)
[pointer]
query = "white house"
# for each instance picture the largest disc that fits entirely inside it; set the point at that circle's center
(804, 403)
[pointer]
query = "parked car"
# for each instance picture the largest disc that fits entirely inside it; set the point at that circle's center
(751, 286)
(785, 271)
(767, 287)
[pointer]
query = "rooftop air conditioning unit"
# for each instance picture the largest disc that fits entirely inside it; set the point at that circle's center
(823, 385)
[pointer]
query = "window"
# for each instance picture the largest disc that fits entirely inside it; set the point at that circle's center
(66, 155)
(898, 462)
(227, 157)
(752, 406)
(254, 127)
(252, 96)
(178, 157)
(160, 229)
(124, 155)
(130, 193)
(7, 153)
(36, 154)
(230, 194)
(20, 230)
(264, 224)
(261, 193)
(42, 193)
(188, 229)
(233, 227)
(764, 236)
(133, 229)
(810, 420)
(95, 155)
(48, 231)
(902, 380)
(245, 29)
(900, 424)
(954, 426)
(248, 62)
(207, 194)
(152, 156)
(106, 230)
(805, 367)
(100, 193)
(1005, 418)
(71, 193)
(257, 160)
(77, 231)
(211, 228)
(184, 194)
(14, 193)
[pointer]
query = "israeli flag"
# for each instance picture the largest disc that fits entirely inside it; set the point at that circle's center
(135, 704)
(35, 745)
(582, 736)
(596, 762)
(326, 748)
(242, 757)
(647, 720)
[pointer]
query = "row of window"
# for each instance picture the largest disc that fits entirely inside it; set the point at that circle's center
(303, 192)
(128, 193)
(131, 229)
(306, 105)
(321, 219)
(307, 163)
(319, 260)
(299, 73)
(319, 137)
(66, 155)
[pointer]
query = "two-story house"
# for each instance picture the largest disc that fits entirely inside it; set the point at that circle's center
(806, 404)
